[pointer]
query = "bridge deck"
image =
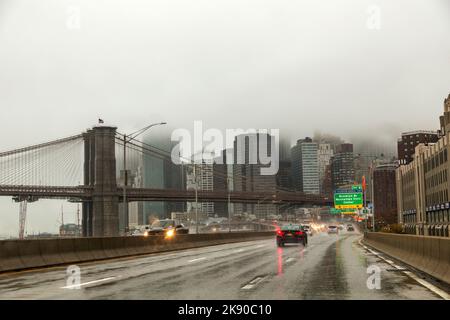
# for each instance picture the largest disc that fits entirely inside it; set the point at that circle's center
(149, 194)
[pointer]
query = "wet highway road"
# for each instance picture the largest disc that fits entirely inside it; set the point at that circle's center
(330, 267)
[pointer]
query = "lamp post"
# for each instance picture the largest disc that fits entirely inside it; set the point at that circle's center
(127, 138)
(373, 204)
(196, 198)
(229, 204)
(264, 199)
(196, 182)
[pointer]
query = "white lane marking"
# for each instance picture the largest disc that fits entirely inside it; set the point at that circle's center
(290, 260)
(260, 246)
(253, 283)
(238, 250)
(87, 283)
(247, 287)
(198, 259)
(256, 280)
(428, 285)
(398, 267)
(444, 295)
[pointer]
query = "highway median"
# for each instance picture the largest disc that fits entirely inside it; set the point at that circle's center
(16, 255)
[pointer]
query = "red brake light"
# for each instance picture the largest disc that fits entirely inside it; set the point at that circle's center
(279, 232)
(299, 233)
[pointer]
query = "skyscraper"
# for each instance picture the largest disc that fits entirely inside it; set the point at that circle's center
(305, 166)
(247, 175)
(324, 154)
(385, 195)
(222, 181)
(200, 177)
(342, 166)
(407, 144)
(160, 172)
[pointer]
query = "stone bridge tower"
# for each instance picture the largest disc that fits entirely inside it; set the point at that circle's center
(100, 215)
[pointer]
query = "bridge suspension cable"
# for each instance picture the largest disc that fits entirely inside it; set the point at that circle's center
(55, 163)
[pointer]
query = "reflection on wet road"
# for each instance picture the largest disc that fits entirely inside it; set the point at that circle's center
(330, 267)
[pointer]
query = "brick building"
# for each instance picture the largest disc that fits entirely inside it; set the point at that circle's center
(423, 185)
(384, 194)
(407, 144)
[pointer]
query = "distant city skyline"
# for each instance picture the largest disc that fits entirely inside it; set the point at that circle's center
(301, 67)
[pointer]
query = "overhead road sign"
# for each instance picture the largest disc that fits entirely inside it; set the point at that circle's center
(348, 200)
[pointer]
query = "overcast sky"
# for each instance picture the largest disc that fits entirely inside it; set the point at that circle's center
(295, 65)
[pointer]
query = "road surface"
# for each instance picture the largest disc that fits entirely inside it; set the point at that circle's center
(330, 267)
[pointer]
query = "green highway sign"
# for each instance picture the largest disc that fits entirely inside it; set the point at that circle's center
(335, 211)
(342, 211)
(352, 200)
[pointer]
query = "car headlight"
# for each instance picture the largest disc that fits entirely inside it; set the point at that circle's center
(146, 234)
(170, 233)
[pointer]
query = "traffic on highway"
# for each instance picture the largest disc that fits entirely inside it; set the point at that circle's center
(224, 158)
(288, 265)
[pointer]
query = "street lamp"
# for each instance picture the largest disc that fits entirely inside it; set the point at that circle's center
(196, 198)
(127, 138)
(283, 205)
(229, 202)
(262, 200)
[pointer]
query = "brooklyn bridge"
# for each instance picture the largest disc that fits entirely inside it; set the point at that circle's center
(82, 168)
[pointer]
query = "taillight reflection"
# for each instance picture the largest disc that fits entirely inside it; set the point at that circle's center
(280, 261)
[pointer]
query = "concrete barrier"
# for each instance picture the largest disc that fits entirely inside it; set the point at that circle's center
(30, 253)
(9, 256)
(444, 268)
(82, 249)
(67, 250)
(428, 254)
(432, 260)
(26, 254)
(96, 248)
(50, 251)
(113, 247)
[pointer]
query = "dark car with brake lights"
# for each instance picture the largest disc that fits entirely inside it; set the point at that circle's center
(291, 233)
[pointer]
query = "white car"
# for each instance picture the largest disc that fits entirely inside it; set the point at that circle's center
(333, 229)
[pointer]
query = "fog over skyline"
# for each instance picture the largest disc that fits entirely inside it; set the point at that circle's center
(299, 66)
